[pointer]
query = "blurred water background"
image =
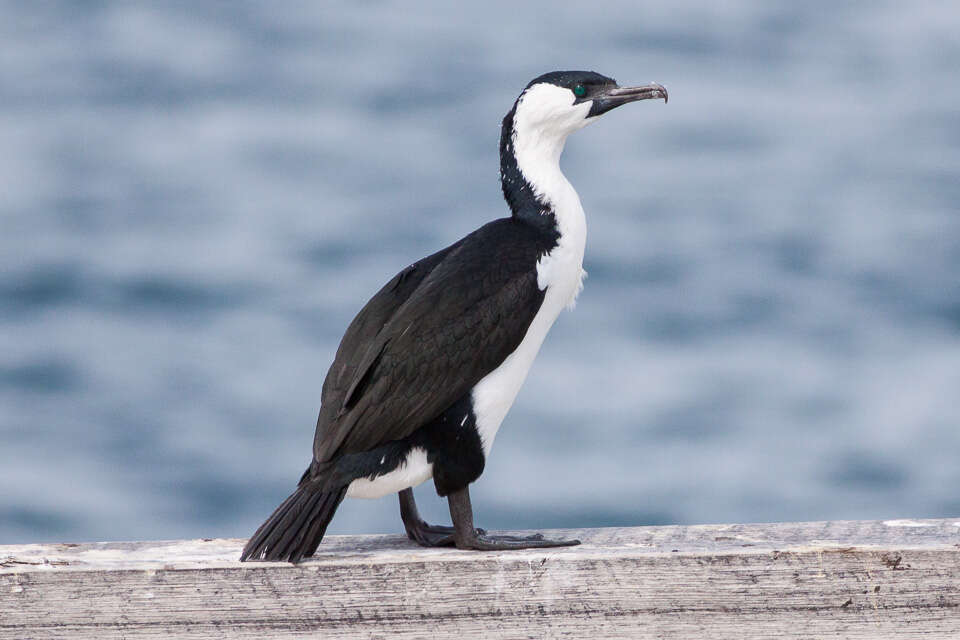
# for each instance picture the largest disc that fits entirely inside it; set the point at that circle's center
(196, 198)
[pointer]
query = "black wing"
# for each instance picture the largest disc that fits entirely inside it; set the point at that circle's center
(429, 336)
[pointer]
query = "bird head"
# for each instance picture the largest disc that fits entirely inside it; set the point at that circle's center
(560, 102)
(535, 131)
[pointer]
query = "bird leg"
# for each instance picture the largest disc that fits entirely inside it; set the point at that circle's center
(465, 536)
(423, 533)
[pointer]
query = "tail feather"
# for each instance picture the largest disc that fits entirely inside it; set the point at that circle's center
(291, 532)
(296, 528)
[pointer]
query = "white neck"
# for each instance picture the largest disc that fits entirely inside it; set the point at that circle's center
(538, 141)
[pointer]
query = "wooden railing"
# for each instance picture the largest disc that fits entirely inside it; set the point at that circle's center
(853, 580)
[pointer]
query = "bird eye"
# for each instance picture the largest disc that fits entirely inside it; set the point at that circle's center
(579, 91)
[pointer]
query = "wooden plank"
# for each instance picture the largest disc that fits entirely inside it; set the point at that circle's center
(855, 580)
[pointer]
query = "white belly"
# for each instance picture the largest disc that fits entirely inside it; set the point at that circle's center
(414, 471)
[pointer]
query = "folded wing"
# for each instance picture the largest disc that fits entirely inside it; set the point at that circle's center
(427, 337)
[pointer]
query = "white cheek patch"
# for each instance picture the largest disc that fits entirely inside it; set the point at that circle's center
(551, 109)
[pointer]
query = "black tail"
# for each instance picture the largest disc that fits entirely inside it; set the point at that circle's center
(297, 526)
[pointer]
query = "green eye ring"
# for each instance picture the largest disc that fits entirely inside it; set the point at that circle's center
(579, 91)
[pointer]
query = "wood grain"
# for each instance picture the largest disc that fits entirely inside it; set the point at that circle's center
(869, 580)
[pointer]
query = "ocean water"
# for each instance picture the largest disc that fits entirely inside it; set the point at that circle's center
(196, 198)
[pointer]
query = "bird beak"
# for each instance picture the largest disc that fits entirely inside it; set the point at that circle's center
(613, 98)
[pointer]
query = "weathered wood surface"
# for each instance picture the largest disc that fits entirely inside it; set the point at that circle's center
(857, 580)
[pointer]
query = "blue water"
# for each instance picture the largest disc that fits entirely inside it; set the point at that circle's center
(195, 198)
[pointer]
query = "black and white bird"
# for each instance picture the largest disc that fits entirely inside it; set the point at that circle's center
(426, 372)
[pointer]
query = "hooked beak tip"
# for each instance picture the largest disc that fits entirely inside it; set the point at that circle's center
(653, 90)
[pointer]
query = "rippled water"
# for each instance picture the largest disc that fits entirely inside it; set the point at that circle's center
(195, 199)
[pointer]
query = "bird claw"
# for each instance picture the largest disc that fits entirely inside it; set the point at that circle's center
(483, 542)
(434, 535)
